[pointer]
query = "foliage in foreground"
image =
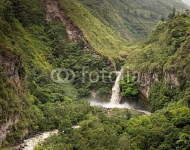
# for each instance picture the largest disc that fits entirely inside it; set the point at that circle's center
(166, 129)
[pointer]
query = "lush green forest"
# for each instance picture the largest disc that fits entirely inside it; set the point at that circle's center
(32, 46)
(165, 53)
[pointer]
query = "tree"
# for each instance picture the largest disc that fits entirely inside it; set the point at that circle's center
(163, 18)
(174, 12)
(183, 142)
(135, 13)
(172, 15)
(129, 86)
(187, 11)
(6, 11)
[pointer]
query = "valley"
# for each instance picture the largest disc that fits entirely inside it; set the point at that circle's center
(109, 75)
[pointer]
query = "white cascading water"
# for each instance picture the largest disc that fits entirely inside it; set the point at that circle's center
(115, 98)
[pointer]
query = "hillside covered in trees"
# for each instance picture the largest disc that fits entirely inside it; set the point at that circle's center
(41, 36)
(134, 19)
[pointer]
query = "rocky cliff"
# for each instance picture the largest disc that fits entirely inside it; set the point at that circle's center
(6, 127)
(12, 69)
(75, 34)
(148, 79)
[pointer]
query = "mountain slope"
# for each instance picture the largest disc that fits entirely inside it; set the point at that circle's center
(134, 19)
(35, 41)
(163, 61)
(103, 39)
(103, 23)
(31, 47)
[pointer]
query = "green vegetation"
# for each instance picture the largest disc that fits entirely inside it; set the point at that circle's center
(167, 129)
(166, 54)
(32, 47)
(98, 131)
(168, 126)
(134, 19)
(129, 87)
(103, 39)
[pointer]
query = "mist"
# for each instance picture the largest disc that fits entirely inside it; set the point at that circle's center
(186, 2)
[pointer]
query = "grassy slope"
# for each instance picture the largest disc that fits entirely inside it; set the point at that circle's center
(104, 39)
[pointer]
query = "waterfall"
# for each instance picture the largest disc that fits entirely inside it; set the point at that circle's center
(115, 98)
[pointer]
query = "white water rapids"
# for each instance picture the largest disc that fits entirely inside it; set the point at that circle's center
(31, 143)
(39, 139)
(116, 98)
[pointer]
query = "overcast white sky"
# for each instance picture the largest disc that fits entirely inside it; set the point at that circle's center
(187, 2)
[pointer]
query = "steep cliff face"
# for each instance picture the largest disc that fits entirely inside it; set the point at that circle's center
(148, 80)
(12, 69)
(5, 128)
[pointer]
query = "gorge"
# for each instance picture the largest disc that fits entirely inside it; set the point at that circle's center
(150, 38)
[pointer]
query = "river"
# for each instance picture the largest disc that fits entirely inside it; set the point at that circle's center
(31, 143)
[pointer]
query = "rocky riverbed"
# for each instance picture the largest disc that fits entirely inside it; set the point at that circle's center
(31, 143)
